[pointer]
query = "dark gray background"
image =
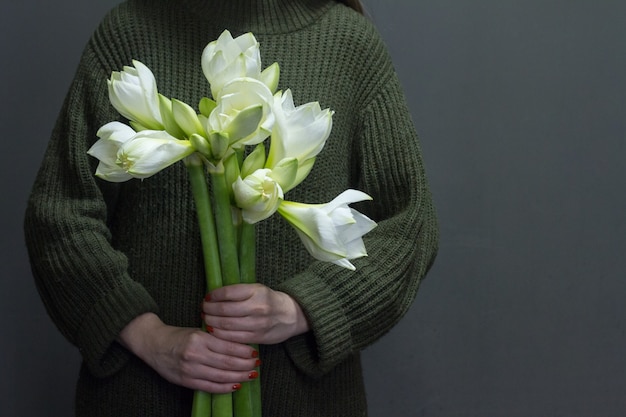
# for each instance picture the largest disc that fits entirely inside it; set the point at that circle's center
(521, 109)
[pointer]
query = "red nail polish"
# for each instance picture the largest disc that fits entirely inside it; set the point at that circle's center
(236, 387)
(207, 297)
(209, 328)
(255, 354)
(258, 363)
(253, 374)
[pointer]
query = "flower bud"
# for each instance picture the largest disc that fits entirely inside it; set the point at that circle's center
(258, 195)
(133, 93)
(226, 59)
(187, 118)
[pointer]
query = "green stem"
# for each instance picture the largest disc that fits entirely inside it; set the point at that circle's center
(226, 233)
(227, 238)
(255, 393)
(206, 221)
(205, 404)
(247, 265)
(201, 404)
(242, 401)
(247, 253)
(222, 266)
(222, 405)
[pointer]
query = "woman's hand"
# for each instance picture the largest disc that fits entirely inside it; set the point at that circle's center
(253, 313)
(190, 357)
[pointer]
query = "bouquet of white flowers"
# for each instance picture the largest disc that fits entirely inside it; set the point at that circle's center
(246, 109)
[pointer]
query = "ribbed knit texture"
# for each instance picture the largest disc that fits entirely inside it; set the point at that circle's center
(104, 253)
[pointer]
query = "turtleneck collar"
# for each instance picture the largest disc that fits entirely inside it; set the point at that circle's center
(260, 16)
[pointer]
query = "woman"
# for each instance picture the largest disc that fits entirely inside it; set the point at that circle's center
(119, 266)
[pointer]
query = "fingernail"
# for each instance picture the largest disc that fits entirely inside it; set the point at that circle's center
(236, 387)
(255, 354)
(207, 297)
(258, 363)
(253, 374)
(209, 328)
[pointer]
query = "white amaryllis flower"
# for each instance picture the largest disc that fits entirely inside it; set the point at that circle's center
(112, 136)
(226, 58)
(126, 154)
(331, 232)
(243, 113)
(151, 151)
(258, 195)
(133, 93)
(298, 132)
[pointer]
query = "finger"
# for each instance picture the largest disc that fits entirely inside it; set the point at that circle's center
(227, 308)
(229, 348)
(208, 373)
(213, 387)
(225, 383)
(246, 323)
(239, 336)
(226, 362)
(237, 292)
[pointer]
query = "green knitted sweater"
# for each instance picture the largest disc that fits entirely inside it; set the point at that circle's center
(104, 253)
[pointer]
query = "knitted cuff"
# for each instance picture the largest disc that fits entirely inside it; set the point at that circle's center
(97, 335)
(329, 342)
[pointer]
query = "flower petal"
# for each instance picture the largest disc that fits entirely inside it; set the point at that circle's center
(243, 95)
(152, 151)
(331, 232)
(226, 59)
(349, 196)
(112, 136)
(298, 132)
(133, 93)
(112, 173)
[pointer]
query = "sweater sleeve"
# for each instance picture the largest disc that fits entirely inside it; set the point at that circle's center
(81, 278)
(350, 310)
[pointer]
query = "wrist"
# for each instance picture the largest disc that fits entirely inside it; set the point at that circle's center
(136, 335)
(300, 323)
